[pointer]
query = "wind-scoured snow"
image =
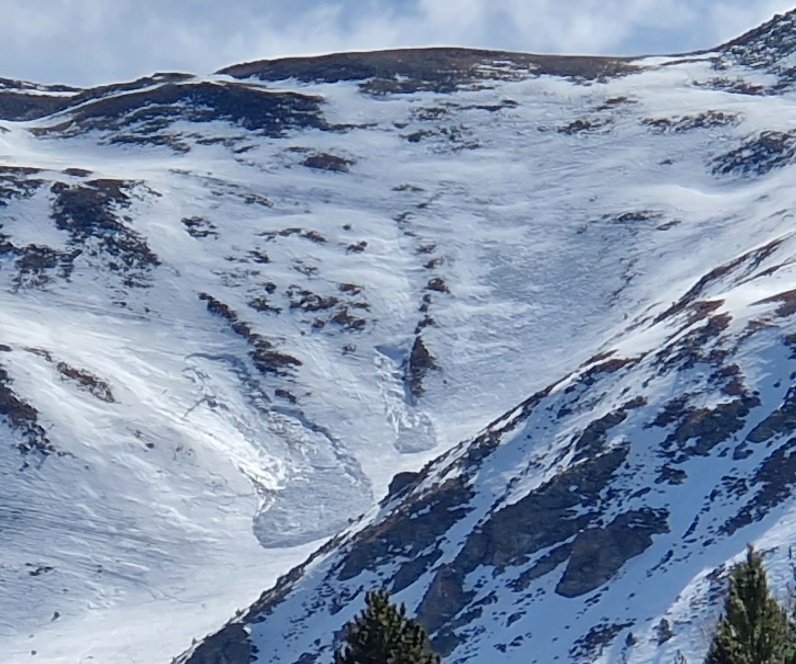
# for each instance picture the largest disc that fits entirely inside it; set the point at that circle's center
(231, 311)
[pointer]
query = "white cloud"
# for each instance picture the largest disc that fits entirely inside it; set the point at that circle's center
(92, 41)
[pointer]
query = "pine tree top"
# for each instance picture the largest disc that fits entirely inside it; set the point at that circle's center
(383, 634)
(754, 629)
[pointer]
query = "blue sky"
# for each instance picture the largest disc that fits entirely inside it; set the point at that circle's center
(86, 42)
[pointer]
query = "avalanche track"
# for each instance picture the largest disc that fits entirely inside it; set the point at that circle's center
(234, 307)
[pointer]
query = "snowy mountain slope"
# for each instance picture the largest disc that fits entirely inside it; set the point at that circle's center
(234, 308)
(593, 522)
(231, 314)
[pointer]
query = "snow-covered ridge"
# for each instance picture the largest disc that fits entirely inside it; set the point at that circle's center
(234, 309)
(649, 467)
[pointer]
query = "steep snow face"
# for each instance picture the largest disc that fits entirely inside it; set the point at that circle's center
(233, 309)
(595, 521)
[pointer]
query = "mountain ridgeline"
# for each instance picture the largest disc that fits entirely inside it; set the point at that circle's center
(511, 336)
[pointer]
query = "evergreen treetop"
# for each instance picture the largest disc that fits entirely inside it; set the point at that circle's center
(383, 634)
(754, 628)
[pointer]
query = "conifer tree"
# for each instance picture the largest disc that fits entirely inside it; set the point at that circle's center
(754, 628)
(383, 634)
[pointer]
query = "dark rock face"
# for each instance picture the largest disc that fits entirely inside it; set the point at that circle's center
(86, 381)
(406, 533)
(599, 553)
(775, 479)
(229, 646)
(29, 86)
(20, 100)
(199, 227)
(779, 422)
(685, 123)
(343, 311)
(598, 637)
(433, 69)
(591, 442)
(92, 94)
(16, 105)
(24, 419)
(145, 116)
(699, 430)
(786, 301)
(548, 516)
(758, 155)
(17, 182)
(37, 265)
(693, 300)
(767, 47)
(266, 358)
(419, 362)
(327, 162)
(400, 483)
(90, 213)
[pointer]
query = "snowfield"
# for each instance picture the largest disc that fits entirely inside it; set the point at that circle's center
(224, 331)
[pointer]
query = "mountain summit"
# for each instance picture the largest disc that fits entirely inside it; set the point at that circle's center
(511, 335)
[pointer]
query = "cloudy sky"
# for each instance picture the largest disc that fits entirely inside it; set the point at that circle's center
(85, 42)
